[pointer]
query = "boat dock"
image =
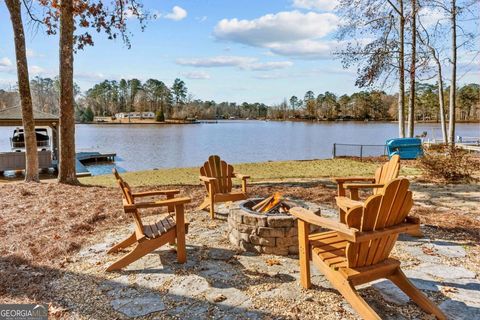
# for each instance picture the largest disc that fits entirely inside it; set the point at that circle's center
(88, 157)
(83, 158)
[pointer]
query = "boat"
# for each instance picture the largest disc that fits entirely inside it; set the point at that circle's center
(17, 141)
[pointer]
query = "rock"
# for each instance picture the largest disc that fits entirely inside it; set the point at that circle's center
(293, 249)
(445, 272)
(422, 281)
(466, 290)
(447, 250)
(255, 220)
(291, 232)
(139, 305)
(286, 292)
(197, 311)
(189, 286)
(269, 242)
(154, 280)
(286, 242)
(280, 221)
(281, 251)
(391, 292)
(458, 310)
(219, 298)
(217, 271)
(270, 232)
(220, 254)
(231, 298)
(417, 252)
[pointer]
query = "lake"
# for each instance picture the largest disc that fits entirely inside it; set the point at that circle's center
(143, 146)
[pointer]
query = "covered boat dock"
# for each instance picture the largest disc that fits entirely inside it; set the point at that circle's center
(13, 160)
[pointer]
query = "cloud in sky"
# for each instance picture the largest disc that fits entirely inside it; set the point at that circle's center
(290, 33)
(5, 62)
(197, 75)
(90, 76)
(326, 5)
(273, 65)
(36, 70)
(177, 14)
(245, 63)
(431, 16)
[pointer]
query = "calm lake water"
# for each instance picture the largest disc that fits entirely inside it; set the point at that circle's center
(142, 147)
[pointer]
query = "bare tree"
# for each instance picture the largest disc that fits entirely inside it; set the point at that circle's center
(413, 66)
(112, 19)
(382, 57)
(435, 55)
(401, 67)
(453, 84)
(31, 155)
(66, 172)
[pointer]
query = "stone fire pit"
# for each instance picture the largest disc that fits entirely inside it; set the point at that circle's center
(265, 233)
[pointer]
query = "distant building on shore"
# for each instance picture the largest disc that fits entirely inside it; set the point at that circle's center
(135, 115)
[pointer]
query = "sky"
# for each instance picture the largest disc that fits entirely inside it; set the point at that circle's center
(225, 50)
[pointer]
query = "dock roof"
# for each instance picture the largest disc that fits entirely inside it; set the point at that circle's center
(13, 117)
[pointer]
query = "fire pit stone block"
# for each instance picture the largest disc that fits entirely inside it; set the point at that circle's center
(280, 221)
(269, 234)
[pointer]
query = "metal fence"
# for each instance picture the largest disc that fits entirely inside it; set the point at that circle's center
(358, 150)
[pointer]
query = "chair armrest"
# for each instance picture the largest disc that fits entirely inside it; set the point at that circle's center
(346, 179)
(363, 185)
(156, 204)
(241, 176)
(310, 217)
(207, 179)
(155, 193)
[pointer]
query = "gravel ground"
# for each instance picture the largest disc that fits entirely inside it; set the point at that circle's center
(54, 240)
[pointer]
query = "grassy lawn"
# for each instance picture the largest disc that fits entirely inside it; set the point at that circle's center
(279, 170)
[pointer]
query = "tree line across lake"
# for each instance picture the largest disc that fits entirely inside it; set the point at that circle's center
(110, 97)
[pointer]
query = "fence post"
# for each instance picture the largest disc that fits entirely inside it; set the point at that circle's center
(361, 152)
(334, 150)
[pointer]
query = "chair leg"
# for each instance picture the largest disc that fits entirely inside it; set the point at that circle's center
(205, 204)
(347, 290)
(180, 234)
(304, 253)
(350, 294)
(139, 251)
(401, 280)
(212, 207)
(124, 244)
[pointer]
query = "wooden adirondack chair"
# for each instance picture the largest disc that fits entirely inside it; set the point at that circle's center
(383, 175)
(359, 251)
(127, 191)
(217, 176)
(148, 237)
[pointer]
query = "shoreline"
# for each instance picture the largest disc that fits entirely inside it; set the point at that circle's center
(212, 121)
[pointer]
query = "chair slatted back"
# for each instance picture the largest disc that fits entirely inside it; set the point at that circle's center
(128, 199)
(219, 169)
(379, 211)
(387, 172)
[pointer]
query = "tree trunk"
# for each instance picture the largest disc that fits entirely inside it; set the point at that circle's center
(411, 101)
(451, 107)
(66, 166)
(31, 153)
(441, 101)
(401, 74)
